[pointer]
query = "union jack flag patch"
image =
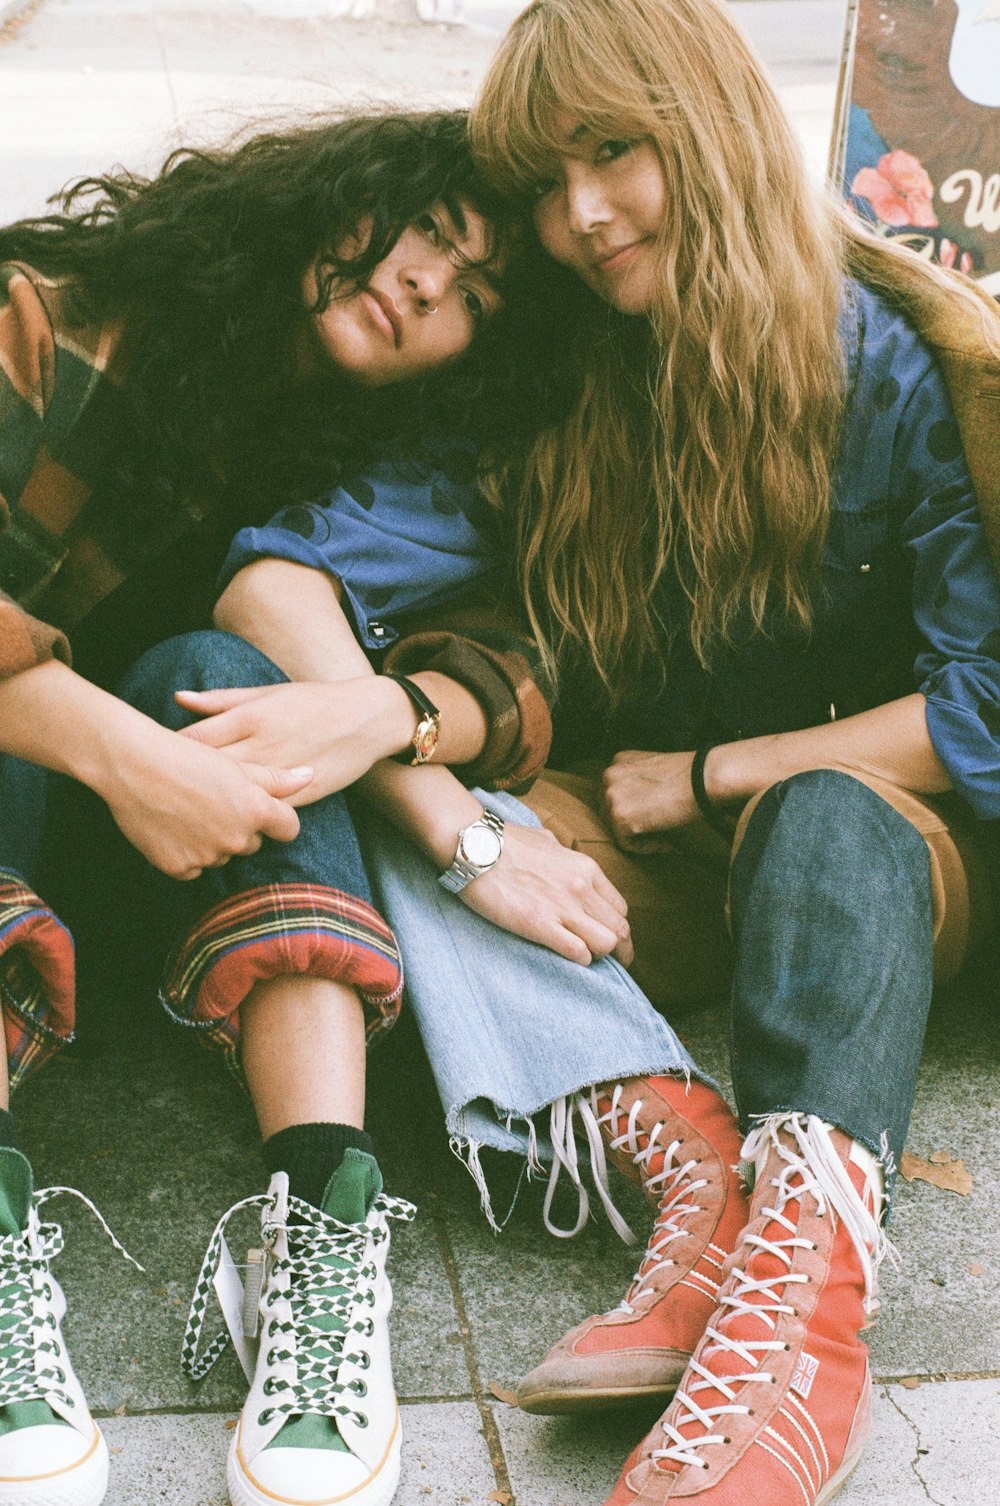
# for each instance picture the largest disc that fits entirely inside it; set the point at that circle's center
(804, 1374)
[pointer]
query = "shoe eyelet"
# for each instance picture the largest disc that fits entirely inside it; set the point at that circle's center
(60, 1375)
(47, 1292)
(787, 1348)
(370, 1328)
(359, 1387)
(265, 1417)
(268, 1386)
(365, 1360)
(361, 1419)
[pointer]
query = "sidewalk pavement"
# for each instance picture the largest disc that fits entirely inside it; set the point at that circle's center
(147, 1125)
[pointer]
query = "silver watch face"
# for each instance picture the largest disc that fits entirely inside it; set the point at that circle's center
(481, 845)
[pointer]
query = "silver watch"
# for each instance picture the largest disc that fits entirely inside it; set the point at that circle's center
(479, 847)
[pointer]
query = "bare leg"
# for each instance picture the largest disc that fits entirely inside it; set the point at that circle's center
(304, 1052)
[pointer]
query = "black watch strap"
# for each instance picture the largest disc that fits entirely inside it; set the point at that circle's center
(423, 702)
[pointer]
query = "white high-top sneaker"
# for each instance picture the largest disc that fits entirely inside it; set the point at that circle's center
(51, 1451)
(321, 1421)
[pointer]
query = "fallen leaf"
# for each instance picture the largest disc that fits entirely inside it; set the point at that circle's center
(939, 1158)
(230, 1424)
(120, 1411)
(502, 1497)
(975, 1269)
(507, 1397)
(949, 1176)
(911, 1382)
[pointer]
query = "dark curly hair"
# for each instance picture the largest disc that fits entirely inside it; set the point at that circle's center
(209, 258)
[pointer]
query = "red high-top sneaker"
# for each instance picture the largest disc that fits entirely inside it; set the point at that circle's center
(775, 1407)
(681, 1144)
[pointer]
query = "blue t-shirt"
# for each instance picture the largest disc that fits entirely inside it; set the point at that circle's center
(409, 534)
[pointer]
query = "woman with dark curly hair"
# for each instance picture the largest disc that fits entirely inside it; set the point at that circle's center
(178, 357)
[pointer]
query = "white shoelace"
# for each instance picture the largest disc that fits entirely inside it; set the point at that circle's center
(816, 1168)
(26, 1299)
(671, 1185)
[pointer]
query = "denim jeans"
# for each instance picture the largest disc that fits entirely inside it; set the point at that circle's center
(832, 919)
(300, 907)
(508, 1026)
(831, 913)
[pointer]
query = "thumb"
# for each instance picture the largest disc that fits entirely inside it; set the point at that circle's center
(281, 783)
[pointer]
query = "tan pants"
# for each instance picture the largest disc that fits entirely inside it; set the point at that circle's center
(678, 900)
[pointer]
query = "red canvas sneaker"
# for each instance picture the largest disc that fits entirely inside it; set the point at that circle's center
(775, 1407)
(681, 1144)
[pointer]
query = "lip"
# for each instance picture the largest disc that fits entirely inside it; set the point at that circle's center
(385, 314)
(617, 260)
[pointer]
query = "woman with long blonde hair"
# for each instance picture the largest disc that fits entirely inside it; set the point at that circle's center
(755, 564)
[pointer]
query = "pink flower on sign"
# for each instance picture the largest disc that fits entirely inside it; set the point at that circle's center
(899, 190)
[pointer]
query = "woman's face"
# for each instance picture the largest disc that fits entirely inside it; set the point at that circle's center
(600, 213)
(421, 307)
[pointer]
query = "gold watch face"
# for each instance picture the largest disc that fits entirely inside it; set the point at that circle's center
(425, 739)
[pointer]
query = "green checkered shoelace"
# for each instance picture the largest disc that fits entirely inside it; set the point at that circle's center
(327, 1277)
(29, 1353)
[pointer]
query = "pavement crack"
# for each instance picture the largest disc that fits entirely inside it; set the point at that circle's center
(482, 1399)
(915, 1461)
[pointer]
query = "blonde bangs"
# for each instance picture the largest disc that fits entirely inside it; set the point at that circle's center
(556, 60)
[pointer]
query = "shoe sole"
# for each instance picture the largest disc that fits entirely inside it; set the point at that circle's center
(377, 1492)
(559, 1403)
(837, 1482)
(85, 1484)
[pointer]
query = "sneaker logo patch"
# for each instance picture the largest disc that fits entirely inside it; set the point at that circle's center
(804, 1374)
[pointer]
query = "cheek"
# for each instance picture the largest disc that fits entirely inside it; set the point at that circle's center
(553, 232)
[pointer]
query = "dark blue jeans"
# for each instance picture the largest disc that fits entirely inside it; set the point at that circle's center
(292, 907)
(832, 919)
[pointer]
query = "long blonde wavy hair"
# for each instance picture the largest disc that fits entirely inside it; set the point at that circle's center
(711, 456)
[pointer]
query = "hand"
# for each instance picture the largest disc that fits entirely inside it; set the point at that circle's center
(548, 893)
(338, 728)
(648, 793)
(187, 808)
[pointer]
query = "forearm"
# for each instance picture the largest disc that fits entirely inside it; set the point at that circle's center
(51, 716)
(429, 805)
(293, 614)
(890, 741)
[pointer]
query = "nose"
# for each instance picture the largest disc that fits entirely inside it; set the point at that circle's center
(427, 281)
(587, 207)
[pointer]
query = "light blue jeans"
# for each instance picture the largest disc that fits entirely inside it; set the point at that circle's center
(509, 1026)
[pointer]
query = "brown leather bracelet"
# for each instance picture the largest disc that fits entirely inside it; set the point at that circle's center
(712, 814)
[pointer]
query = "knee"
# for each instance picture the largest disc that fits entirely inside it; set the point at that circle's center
(206, 660)
(826, 820)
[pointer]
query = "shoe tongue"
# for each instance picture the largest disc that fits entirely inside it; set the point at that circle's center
(353, 1188)
(348, 1197)
(15, 1190)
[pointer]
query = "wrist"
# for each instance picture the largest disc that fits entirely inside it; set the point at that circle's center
(423, 722)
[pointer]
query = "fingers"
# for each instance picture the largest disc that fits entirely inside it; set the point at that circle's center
(281, 823)
(606, 889)
(279, 782)
(210, 702)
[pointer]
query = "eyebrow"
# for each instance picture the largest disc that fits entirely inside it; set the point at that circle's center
(461, 225)
(578, 135)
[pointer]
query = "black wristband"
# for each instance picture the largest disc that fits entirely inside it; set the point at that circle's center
(423, 702)
(712, 814)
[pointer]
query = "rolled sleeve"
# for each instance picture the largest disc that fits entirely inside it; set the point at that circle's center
(956, 607)
(408, 534)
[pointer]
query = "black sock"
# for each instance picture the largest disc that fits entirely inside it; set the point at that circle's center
(310, 1154)
(8, 1131)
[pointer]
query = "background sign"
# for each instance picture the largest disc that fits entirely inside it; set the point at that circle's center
(920, 133)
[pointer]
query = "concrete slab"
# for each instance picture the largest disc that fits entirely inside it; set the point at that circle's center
(181, 1461)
